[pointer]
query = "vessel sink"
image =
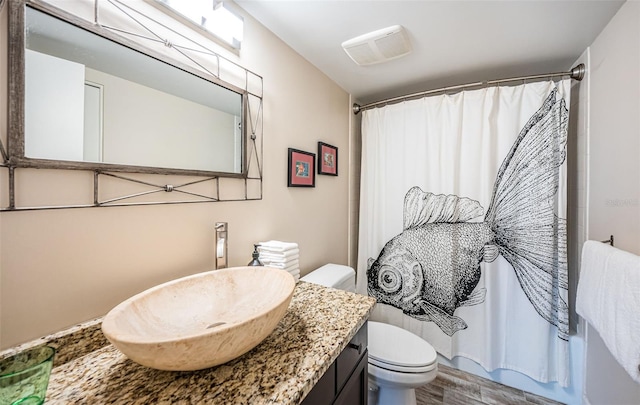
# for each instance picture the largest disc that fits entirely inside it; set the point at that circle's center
(202, 320)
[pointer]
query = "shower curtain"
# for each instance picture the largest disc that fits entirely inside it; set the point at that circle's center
(462, 235)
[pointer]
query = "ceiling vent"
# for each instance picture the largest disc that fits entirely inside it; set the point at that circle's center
(378, 46)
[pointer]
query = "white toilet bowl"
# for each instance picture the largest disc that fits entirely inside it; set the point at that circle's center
(399, 361)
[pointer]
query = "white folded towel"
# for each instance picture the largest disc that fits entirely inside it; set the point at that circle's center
(295, 274)
(608, 298)
(283, 266)
(278, 246)
(276, 259)
(279, 253)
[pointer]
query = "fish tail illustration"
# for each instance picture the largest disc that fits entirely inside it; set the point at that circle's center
(528, 233)
(448, 324)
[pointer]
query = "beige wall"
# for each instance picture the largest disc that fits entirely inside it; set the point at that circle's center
(614, 145)
(60, 267)
(614, 176)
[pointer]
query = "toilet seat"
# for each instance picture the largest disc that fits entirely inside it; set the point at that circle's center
(395, 349)
(400, 369)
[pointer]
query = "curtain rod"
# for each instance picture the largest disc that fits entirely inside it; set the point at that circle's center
(576, 73)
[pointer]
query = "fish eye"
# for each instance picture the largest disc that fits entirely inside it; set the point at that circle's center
(389, 279)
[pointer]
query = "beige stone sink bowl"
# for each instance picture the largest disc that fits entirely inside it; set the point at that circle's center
(202, 320)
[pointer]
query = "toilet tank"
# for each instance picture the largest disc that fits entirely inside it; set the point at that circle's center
(334, 276)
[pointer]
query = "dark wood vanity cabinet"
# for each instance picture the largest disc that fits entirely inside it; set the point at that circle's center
(355, 389)
(346, 380)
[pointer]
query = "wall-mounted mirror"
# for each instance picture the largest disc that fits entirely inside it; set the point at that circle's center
(92, 101)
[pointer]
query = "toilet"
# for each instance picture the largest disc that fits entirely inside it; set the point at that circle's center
(399, 361)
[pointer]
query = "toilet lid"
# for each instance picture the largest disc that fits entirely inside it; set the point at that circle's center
(397, 349)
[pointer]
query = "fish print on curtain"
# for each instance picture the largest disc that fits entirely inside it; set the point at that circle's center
(433, 267)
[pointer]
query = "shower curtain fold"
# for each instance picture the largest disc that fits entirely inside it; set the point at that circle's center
(462, 232)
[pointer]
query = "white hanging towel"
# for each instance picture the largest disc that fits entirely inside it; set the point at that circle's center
(608, 298)
(277, 246)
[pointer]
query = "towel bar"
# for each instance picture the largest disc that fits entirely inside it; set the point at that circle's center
(609, 241)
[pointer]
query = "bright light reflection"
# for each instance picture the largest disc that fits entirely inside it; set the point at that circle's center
(213, 16)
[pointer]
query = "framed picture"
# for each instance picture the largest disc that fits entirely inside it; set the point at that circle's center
(301, 169)
(328, 163)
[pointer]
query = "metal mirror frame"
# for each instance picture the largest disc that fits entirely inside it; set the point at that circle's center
(14, 157)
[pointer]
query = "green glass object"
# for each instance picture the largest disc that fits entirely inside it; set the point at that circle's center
(24, 377)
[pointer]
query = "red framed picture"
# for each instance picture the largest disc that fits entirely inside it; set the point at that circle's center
(328, 159)
(301, 169)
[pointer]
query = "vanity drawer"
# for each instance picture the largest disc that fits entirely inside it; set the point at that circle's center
(350, 356)
(325, 390)
(356, 388)
(345, 382)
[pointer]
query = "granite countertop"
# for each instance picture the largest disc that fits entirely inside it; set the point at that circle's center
(282, 369)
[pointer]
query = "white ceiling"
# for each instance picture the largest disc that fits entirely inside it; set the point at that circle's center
(454, 42)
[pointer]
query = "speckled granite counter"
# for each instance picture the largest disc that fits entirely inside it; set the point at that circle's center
(281, 370)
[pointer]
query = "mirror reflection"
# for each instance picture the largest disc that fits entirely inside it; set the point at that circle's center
(89, 99)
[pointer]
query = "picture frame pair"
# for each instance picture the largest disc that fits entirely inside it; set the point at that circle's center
(302, 165)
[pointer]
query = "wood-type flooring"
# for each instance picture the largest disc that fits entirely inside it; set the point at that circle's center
(455, 387)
